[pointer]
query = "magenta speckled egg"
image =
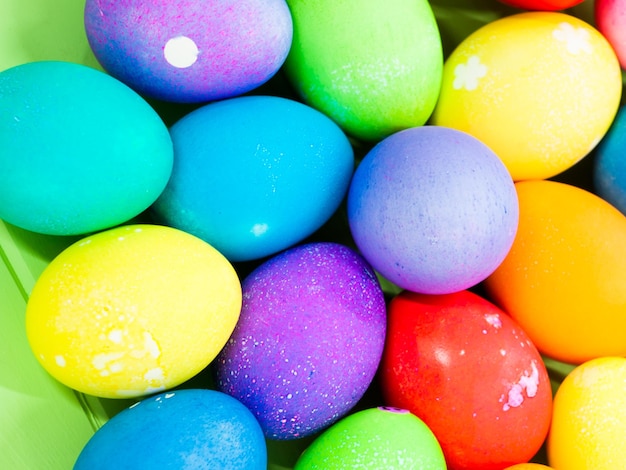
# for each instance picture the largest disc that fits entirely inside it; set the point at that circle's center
(190, 51)
(309, 339)
(433, 209)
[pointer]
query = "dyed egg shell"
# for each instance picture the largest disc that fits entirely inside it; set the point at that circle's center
(132, 311)
(375, 438)
(72, 161)
(190, 51)
(308, 341)
(610, 17)
(542, 5)
(432, 209)
(375, 68)
(589, 419)
(528, 466)
(609, 171)
(540, 88)
(471, 374)
(563, 279)
(254, 175)
(191, 428)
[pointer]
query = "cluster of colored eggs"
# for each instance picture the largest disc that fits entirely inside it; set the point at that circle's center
(461, 265)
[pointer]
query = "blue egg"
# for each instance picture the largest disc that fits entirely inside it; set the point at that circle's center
(433, 209)
(81, 151)
(609, 175)
(189, 428)
(254, 175)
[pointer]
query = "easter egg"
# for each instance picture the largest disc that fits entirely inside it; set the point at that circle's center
(81, 151)
(563, 279)
(375, 438)
(254, 175)
(375, 68)
(432, 209)
(539, 88)
(190, 51)
(34, 30)
(308, 341)
(610, 17)
(189, 428)
(528, 466)
(609, 170)
(471, 374)
(132, 310)
(589, 420)
(542, 5)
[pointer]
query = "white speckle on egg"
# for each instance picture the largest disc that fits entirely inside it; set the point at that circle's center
(60, 360)
(116, 336)
(181, 52)
(259, 229)
(151, 345)
(155, 374)
(528, 383)
(100, 361)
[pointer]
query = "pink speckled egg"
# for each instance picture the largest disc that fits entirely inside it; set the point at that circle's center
(190, 51)
(610, 16)
(309, 339)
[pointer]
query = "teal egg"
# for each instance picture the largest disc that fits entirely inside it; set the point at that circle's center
(81, 151)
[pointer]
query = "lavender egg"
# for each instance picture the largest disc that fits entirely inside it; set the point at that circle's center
(308, 341)
(190, 51)
(433, 209)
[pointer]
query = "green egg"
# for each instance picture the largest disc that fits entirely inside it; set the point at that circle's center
(373, 67)
(388, 438)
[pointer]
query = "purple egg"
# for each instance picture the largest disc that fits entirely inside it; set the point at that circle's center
(433, 210)
(309, 339)
(190, 50)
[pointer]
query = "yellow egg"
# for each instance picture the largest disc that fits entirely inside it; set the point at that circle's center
(589, 417)
(563, 279)
(540, 88)
(132, 310)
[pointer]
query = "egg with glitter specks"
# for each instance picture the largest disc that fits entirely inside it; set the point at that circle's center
(183, 429)
(540, 88)
(190, 51)
(433, 209)
(308, 341)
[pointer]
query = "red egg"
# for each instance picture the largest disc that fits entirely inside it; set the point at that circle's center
(471, 374)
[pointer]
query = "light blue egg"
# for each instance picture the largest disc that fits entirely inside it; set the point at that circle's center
(80, 151)
(254, 175)
(184, 429)
(609, 175)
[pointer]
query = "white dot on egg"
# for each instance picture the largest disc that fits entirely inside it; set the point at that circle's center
(181, 52)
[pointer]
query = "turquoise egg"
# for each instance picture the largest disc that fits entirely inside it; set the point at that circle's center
(81, 151)
(254, 175)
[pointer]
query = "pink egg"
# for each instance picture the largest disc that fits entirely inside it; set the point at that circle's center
(610, 16)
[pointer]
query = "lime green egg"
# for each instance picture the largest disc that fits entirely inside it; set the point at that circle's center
(132, 310)
(373, 67)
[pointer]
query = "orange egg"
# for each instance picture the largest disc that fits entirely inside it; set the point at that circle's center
(564, 278)
(589, 417)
